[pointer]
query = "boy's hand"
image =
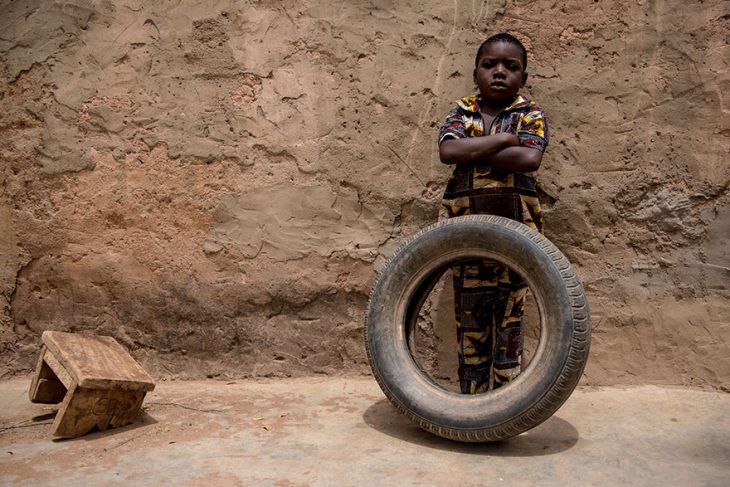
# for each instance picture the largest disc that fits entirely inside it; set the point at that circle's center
(506, 139)
(509, 139)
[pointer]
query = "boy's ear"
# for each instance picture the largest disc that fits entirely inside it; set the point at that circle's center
(524, 79)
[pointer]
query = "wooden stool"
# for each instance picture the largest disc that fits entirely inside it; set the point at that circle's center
(96, 381)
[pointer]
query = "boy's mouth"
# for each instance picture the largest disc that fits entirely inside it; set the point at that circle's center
(498, 84)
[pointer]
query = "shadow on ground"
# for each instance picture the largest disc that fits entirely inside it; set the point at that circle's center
(553, 436)
(143, 419)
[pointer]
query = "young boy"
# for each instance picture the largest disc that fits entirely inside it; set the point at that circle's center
(493, 139)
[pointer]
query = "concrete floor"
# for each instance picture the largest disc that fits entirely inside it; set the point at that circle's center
(342, 431)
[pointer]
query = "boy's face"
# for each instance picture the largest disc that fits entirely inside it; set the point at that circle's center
(499, 73)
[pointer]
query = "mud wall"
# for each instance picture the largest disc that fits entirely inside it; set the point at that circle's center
(216, 183)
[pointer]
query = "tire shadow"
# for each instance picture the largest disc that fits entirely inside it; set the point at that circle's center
(553, 436)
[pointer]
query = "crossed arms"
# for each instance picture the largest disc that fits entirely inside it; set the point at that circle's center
(500, 150)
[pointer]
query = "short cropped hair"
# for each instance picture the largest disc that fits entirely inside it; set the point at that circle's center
(502, 37)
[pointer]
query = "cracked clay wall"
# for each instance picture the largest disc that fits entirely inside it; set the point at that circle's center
(216, 183)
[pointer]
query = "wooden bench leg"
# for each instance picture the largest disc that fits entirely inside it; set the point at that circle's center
(83, 409)
(46, 387)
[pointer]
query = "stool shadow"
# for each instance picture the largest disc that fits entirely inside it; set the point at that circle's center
(143, 419)
(553, 436)
(44, 417)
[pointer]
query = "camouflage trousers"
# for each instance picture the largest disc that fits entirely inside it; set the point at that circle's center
(489, 300)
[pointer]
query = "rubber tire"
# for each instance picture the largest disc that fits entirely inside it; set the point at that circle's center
(546, 382)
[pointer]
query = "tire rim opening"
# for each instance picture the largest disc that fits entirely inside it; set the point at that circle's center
(431, 326)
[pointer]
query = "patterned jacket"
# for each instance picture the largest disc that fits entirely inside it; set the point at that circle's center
(478, 188)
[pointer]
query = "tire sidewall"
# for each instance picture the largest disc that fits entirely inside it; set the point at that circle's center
(407, 385)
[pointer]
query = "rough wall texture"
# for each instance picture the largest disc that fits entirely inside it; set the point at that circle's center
(216, 183)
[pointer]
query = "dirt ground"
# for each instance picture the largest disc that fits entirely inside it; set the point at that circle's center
(342, 432)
